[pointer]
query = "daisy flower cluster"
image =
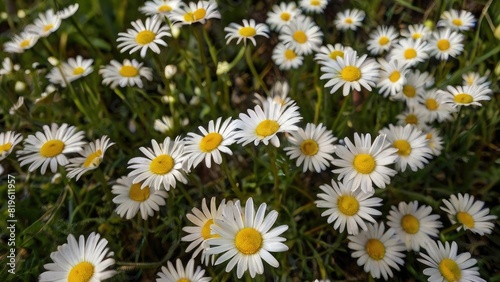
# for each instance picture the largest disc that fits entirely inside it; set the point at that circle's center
(337, 149)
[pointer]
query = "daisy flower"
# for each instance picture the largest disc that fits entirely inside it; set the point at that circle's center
(414, 225)
(474, 78)
(416, 31)
(195, 12)
(363, 163)
(16, 106)
(92, 156)
(330, 53)
(164, 124)
(469, 214)
(159, 7)
(50, 147)
(263, 125)
(127, 74)
(435, 141)
(85, 260)
(410, 51)
(8, 67)
(199, 234)
(457, 20)
(70, 71)
(411, 144)
(377, 250)
(349, 19)
(312, 146)
(278, 94)
(382, 39)
(351, 72)
(414, 86)
(444, 264)
(131, 198)
(348, 208)
(282, 15)
(179, 274)
(302, 35)
(436, 105)
(68, 11)
(210, 144)
(144, 36)
(393, 77)
(45, 24)
(8, 140)
(162, 165)
(313, 6)
(246, 238)
(286, 58)
(445, 43)
(20, 43)
(467, 95)
(414, 115)
(248, 30)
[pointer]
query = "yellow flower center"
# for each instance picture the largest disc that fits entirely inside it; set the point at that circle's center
(205, 230)
(290, 54)
(431, 104)
(375, 249)
(364, 163)
(395, 76)
(210, 142)
(25, 43)
(196, 15)
(336, 53)
(410, 53)
(164, 8)
(410, 224)
(183, 280)
(409, 91)
(411, 119)
(162, 164)
(78, 70)
(47, 27)
(348, 20)
(285, 16)
(383, 40)
(428, 136)
(52, 148)
(81, 272)
(137, 193)
(5, 147)
(128, 71)
(443, 44)
(416, 36)
(266, 128)
(93, 159)
(247, 31)
(314, 2)
(463, 98)
(466, 219)
(449, 270)
(248, 241)
(404, 148)
(309, 147)
(457, 22)
(350, 73)
(300, 36)
(145, 37)
(348, 205)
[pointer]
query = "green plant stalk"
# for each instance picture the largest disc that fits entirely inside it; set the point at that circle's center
(271, 151)
(208, 78)
(229, 176)
(251, 66)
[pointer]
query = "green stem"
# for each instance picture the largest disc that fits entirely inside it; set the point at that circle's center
(248, 57)
(271, 151)
(340, 113)
(319, 91)
(208, 77)
(229, 176)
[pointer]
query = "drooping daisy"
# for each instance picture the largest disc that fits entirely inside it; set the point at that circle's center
(85, 260)
(413, 224)
(414, 115)
(382, 39)
(210, 144)
(377, 250)
(312, 146)
(144, 36)
(302, 35)
(363, 163)
(17, 105)
(164, 124)
(50, 147)
(8, 140)
(469, 213)
(446, 265)
(313, 6)
(246, 238)
(200, 233)
(159, 7)
(445, 43)
(474, 78)
(330, 53)
(457, 20)
(416, 31)
(436, 105)
(411, 144)
(127, 74)
(45, 24)
(70, 71)
(278, 94)
(414, 86)
(393, 77)
(351, 72)
(90, 159)
(191, 13)
(162, 165)
(21, 42)
(131, 198)
(348, 208)
(412, 52)
(286, 58)
(179, 274)
(467, 95)
(8, 66)
(282, 15)
(68, 11)
(349, 19)
(248, 30)
(435, 141)
(262, 125)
